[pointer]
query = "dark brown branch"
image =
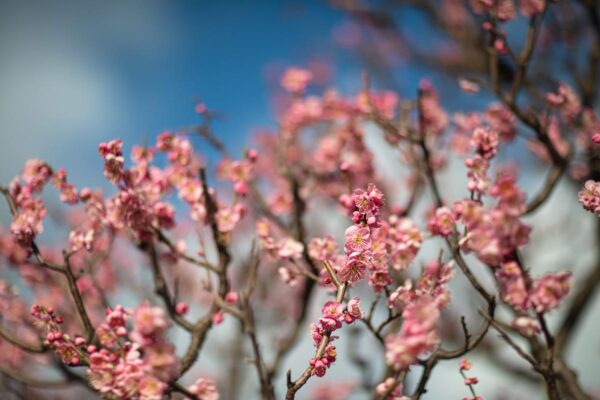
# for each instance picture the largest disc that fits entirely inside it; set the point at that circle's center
(193, 260)
(294, 386)
(162, 289)
(300, 235)
(32, 382)
(29, 347)
(81, 311)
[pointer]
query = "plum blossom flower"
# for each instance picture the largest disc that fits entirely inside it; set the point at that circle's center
(295, 80)
(512, 286)
(417, 334)
(322, 248)
(548, 291)
(290, 249)
(589, 196)
(527, 326)
(485, 142)
(442, 222)
(205, 389)
(332, 315)
(113, 159)
(354, 308)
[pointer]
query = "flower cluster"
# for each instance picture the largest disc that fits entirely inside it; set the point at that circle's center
(285, 249)
(418, 334)
(541, 296)
(494, 234)
(69, 350)
(361, 238)
(333, 314)
(431, 283)
(29, 209)
(393, 388)
(442, 223)
(485, 143)
(132, 364)
(404, 241)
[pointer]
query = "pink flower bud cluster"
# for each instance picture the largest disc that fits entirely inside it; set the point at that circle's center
(69, 350)
(465, 365)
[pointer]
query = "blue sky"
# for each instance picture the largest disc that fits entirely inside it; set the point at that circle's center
(74, 73)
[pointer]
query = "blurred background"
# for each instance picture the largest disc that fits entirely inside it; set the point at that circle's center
(75, 73)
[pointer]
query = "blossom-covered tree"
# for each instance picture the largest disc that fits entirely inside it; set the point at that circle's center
(119, 301)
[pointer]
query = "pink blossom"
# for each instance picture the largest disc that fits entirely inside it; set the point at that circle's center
(357, 239)
(149, 321)
(354, 268)
(295, 80)
(322, 248)
(589, 196)
(512, 286)
(417, 334)
(404, 242)
(468, 86)
(332, 315)
(36, 174)
(290, 249)
(181, 308)
(501, 120)
(442, 222)
(485, 142)
(68, 192)
(464, 364)
(393, 388)
(547, 292)
(113, 159)
(354, 308)
(527, 326)
(205, 389)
